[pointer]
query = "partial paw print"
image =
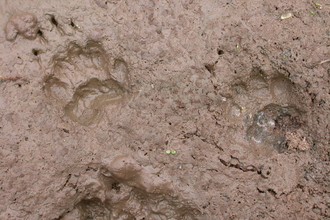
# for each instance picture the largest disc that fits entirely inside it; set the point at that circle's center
(81, 83)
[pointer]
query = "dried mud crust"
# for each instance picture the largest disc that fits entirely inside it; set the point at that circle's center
(96, 92)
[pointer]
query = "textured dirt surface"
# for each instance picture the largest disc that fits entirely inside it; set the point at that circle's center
(114, 109)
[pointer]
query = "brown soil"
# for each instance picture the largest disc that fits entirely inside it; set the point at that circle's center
(187, 109)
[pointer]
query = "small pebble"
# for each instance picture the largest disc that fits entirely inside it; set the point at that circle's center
(286, 16)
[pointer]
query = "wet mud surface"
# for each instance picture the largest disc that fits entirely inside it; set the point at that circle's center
(161, 110)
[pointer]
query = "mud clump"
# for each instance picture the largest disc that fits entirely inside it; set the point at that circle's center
(131, 191)
(126, 169)
(24, 24)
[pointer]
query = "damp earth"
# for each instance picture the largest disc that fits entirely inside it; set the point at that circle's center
(164, 110)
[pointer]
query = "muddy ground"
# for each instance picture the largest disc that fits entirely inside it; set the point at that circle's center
(114, 109)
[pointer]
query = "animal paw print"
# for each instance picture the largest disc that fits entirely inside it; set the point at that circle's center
(80, 81)
(268, 106)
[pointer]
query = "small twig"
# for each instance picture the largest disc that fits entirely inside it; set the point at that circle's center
(10, 78)
(315, 64)
(324, 61)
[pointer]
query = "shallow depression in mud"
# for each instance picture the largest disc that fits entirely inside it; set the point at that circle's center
(271, 124)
